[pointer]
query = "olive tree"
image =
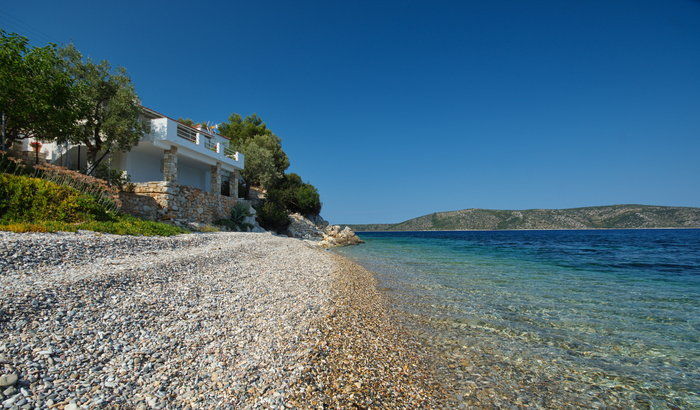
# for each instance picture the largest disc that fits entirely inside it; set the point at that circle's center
(107, 105)
(35, 92)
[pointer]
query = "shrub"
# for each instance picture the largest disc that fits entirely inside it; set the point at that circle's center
(130, 225)
(99, 188)
(236, 221)
(273, 216)
(296, 196)
(122, 225)
(35, 205)
(113, 177)
(25, 199)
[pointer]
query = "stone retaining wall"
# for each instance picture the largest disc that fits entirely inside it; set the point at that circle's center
(168, 201)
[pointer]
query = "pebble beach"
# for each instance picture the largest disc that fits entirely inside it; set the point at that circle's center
(198, 321)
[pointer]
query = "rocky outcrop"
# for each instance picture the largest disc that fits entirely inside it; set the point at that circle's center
(303, 228)
(317, 229)
(333, 236)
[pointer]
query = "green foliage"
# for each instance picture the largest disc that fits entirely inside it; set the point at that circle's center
(236, 221)
(107, 106)
(240, 130)
(129, 225)
(25, 199)
(265, 164)
(36, 205)
(186, 121)
(114, 177)
(35, 91)
(123, 225)
(265, 159)
(208, 229)
(273, 217)
(260, 168)
(295, 195)
(105, 193)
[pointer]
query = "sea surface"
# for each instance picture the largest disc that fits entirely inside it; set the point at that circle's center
(551, 318)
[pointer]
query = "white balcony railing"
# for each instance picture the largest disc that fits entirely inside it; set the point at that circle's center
(197, 140)
(231, 153)
(211, 145)
(187, 133)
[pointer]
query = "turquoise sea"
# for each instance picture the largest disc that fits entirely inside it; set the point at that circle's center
(551, 318)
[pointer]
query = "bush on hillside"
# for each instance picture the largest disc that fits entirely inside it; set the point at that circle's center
(107, 195)
(113, 177)
(122, 225)
(30, 204)
(296, 196)
(236, 221)
(273, 217)
(26, 199)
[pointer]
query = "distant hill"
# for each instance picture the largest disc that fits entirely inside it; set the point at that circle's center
(612, 216)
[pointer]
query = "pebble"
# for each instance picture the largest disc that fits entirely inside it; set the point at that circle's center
(8, 379)
(102, 320)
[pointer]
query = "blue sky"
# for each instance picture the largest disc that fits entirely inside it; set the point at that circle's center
(398, 109)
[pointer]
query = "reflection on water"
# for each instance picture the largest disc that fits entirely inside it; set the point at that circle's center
(553, 317)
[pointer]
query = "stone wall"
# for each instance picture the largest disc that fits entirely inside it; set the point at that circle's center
(168, 201)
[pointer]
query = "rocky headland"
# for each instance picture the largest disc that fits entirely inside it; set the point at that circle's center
(592, 217)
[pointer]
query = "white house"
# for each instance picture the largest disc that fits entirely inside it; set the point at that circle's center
(170, 151)
(178, 171)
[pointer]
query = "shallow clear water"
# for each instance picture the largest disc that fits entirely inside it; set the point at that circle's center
(614, 312)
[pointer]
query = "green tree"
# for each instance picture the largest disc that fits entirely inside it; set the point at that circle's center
(259, 144)
(186, 121)
(260, 169)
(295, 195)
(108, 107)
(35, 92)
(273, 216)
(239, 130)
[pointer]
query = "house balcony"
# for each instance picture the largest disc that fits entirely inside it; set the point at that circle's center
(197, 144)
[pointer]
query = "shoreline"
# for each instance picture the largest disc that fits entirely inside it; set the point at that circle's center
(365, 358)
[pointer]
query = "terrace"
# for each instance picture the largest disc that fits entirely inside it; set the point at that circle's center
(175, 152)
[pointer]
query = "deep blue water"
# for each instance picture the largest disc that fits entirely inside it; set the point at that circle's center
(617, 308)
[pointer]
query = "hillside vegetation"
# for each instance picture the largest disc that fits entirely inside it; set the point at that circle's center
(36, 205)
(612, 216)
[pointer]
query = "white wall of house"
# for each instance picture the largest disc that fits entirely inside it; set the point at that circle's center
(193, 175)
(143, 165)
